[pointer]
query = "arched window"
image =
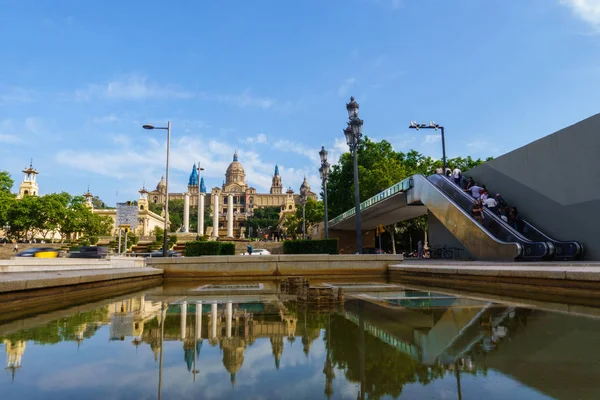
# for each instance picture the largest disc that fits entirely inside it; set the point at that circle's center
(26, 192)
(155, 199)
(142, 208)
(289, 207)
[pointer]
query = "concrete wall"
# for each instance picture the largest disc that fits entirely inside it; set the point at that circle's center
(347, 240)
(439, 236)
(275, 265)
(554, 182)
(32, 264)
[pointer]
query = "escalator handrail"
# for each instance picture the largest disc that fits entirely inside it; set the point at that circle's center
(548, 247)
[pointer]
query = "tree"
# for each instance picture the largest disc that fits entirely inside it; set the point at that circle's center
(314, 211)
(263, 218)
(53, 209)
(6, 182)
(99, 204)
(291, 224)
(6, 202)
(24, 217)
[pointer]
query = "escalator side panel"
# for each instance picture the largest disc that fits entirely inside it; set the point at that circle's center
(481, 244)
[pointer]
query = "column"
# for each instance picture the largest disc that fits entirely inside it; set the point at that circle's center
(229, 318)
(216, 215)
(201, 214)
(186, 212)
(146, 226)
(230, 216)
(213, 314)
(183, 319)
(198, 320)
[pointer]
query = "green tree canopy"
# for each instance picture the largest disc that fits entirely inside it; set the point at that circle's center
(6, 182)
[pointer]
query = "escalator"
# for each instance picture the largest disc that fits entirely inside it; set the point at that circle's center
(532, 249)
(454, 211)
(563, 250)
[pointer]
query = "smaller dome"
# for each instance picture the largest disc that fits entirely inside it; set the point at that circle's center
(276, 170)
(305, 186)
(162, 184)
(202, 186)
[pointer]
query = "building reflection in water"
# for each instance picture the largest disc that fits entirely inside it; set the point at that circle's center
(380, 348)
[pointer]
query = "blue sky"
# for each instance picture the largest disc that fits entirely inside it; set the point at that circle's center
(270, 78)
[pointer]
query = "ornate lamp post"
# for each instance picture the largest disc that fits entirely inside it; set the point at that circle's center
(433, 125)
(324, 172)
(168, 129)
(303, 196)
(353, 133)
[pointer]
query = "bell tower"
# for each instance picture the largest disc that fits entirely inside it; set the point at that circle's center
(29, 186)
(276, 186)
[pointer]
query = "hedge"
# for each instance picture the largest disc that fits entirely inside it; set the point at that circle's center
(325, 246)
(201, 248)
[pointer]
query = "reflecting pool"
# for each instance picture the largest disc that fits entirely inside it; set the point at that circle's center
(383, 342)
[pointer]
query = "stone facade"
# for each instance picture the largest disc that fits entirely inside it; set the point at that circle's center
(235, 194)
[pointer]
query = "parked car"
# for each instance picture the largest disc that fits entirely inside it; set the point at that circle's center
(170, 253)
(90, 252)
(39, 252)
(258, 252)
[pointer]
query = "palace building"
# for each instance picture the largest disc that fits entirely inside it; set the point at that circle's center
(234, 200)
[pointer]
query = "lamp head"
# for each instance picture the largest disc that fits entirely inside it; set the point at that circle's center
(323, 154)
(352, 108)
(349, 135)
(148, 126)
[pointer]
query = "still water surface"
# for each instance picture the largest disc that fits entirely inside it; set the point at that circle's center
(400, 343)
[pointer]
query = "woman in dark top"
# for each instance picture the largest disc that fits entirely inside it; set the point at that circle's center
(477, 211)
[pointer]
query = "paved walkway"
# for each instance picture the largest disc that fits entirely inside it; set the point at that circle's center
(575, 271)
(15, 281)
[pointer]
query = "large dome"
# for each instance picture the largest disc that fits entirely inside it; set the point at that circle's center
(235, 172)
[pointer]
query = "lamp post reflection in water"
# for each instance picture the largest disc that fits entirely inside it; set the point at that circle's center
(163, 315)
(361, 348)
(198, 334)
(457, 369)
(229, 318)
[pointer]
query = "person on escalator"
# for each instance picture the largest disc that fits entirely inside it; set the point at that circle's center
(491, 204)
(513, 218)
(500, 200)
(484, 193)
(470, 182)
(456, 175)
(475, 191)
(477, 211)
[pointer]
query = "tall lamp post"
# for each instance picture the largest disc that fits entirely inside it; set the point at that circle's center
(353, 133)
(168, 129)
(303, 196)
(324, 171)
(433, 125)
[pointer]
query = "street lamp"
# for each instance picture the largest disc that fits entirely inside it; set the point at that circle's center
(324, 172)
(432, 125)
(303, 196)
(168, 129)
(353, 133)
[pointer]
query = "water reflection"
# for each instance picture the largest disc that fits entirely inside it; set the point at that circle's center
(413, 345)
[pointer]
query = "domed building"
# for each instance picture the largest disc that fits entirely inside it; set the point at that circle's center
(235, 194)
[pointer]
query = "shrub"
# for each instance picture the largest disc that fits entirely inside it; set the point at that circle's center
(199, 248)
(226, 249)
(325, 246)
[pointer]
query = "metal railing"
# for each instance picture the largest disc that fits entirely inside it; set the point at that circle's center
(399, 187)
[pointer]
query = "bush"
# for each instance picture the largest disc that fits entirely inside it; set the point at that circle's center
(226, 249)
(198, 248)
(325, 246)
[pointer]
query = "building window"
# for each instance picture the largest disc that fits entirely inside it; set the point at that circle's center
(155, 199)
(242, 200)
(242, 210)
(26, 192)
(224, 210)
(251, 199)
(225, 198)
(289, 207)
(142, 208)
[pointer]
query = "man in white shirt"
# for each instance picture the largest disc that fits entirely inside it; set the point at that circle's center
(491, 204)
(439, 170)
(475, 191)
(456, 174)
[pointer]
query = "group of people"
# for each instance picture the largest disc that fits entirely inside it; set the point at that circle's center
(496, 205)
(455, 175)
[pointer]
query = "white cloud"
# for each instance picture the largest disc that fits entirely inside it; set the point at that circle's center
(133, 87)
(243, 100)
(587, 10)
(15, 95)
(261, 138)
(10, 139)
(432, 139)
(345, 87)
